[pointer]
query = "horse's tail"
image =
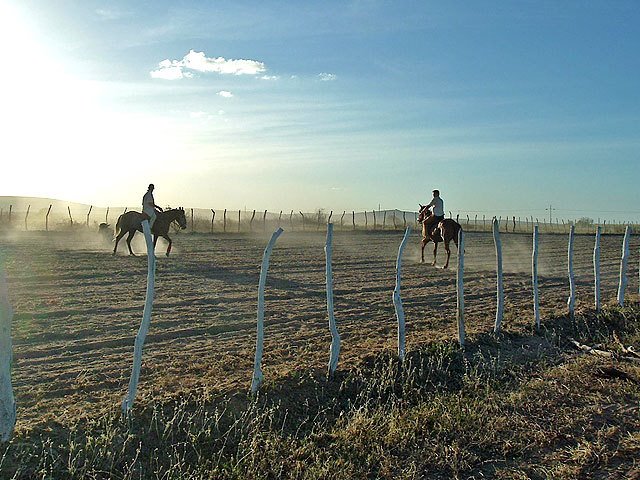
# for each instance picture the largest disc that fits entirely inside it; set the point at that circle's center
(118, 227)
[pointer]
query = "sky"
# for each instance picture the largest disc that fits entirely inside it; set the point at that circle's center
(508, 108)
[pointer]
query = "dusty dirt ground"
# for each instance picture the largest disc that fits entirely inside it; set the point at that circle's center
(77, 308)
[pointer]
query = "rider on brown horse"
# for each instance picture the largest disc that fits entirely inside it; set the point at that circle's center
(436, 228)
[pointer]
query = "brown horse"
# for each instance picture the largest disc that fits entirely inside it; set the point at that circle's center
(130, 222)
(444, 231)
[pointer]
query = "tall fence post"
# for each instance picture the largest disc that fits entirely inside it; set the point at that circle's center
(596, 270)
(213, 217)
(7, 400)
(257, 365)
(460, 289)
(334, 350)
(46, 219)
(534, 277)
(127, 403)
(70, 217)
(224, 221)
(397, 301)
(571, 301)
(26, 217)
(624, 263)
(499, 287)
(89, 214)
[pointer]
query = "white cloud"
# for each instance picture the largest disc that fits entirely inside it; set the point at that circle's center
(225, 94)
(326, 77)
(169, 73)
(111, 14)
(270, 77)
(199, 62)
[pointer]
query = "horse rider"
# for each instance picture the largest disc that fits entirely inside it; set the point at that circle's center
(149, 206)
(437, 211)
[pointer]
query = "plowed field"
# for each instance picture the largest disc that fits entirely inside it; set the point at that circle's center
(77, 308)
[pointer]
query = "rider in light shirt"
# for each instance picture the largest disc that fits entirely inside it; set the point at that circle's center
(437, 212)
(149, 205)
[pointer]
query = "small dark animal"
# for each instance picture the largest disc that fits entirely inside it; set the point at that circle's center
(104, 231)
(131, 221)
(444, 231)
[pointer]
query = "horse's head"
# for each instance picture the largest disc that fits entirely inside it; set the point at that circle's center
(181, 218)
(423, 213)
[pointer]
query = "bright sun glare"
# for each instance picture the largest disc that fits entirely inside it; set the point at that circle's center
(56, 135)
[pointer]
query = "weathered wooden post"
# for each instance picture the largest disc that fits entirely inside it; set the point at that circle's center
(353, 218)
(7, 400)
(303, 220)
(280, 219)
(624, 262)
(342, 219)
(26, 217)
(596, 270)
(264, 221)
(384, 220)
(238, 221)
(213, 217)
(70, 217)
(571, 302)
(334, 350)
(404, 220)
(499, 290)
(251, 221)
(375, 223)
(329, 219)
(224, 221)
(89, 213)
(460, 289)
(257, 365)
(127, 403)
(534, 275)
(366, 220)
(46, 220)
(106, 216)
(192, 220)
(397, 301)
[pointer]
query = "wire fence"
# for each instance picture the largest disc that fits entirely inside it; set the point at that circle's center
(230, 221)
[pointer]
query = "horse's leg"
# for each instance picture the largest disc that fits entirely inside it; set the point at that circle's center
(423, 244)
(115, 247)
(446, 247)
(168, 239)
(129, 238)
(435, 252)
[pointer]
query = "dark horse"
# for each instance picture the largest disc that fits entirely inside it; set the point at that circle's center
(443, 231)
(130, 222)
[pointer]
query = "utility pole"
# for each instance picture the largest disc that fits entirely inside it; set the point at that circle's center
(551, 209)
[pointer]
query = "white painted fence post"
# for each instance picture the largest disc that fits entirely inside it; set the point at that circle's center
(624, 262)
(460, 289)
(334, 350)
(127, 403)
(596, 269)
(534, 274)
(257, 370)
(397, 301)
(499, 290)
(7, 400)
(571, 302)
